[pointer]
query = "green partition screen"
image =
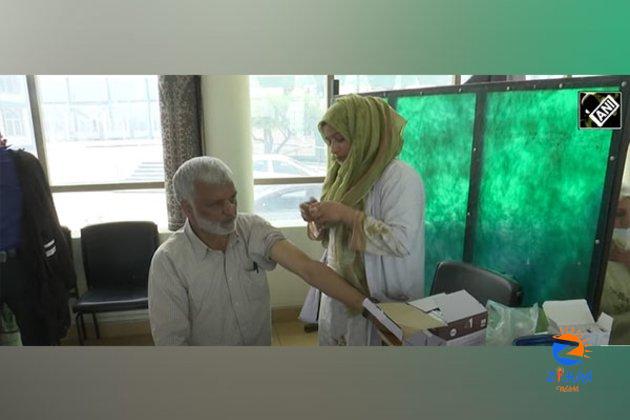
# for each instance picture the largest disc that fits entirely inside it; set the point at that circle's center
(440, 127)
(542, 182)
(512, 184)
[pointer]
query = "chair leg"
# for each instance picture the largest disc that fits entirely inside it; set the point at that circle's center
(98, 333)
(79, 335)
(83, 326)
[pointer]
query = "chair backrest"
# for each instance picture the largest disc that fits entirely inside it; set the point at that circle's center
(451, 276)
(118, 255)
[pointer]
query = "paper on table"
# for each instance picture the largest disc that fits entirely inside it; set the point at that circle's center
(380, 316)
(410, 318)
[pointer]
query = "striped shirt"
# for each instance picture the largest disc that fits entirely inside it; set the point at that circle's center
(200, 296)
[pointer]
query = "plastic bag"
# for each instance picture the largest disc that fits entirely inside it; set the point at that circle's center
(505, 323)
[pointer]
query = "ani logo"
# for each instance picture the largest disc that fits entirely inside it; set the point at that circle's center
(569, 349)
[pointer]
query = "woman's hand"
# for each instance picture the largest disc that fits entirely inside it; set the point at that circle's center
(305, 210)
(330, 212)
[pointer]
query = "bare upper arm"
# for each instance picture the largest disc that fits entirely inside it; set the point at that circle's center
(290, 257)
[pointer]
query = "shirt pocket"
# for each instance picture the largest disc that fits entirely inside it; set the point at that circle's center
(254, 282)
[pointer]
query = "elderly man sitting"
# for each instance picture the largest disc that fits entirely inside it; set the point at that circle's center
(208, 283)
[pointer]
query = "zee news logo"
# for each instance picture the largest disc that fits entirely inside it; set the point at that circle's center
(600, 110)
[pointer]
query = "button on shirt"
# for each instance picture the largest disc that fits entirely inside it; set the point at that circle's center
(200, 296)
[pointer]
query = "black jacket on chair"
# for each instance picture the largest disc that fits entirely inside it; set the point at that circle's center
(44, 248)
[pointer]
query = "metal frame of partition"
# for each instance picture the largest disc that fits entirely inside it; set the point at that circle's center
(614, 170)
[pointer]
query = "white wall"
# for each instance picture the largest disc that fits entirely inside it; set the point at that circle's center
(227, 130)
(227, 136)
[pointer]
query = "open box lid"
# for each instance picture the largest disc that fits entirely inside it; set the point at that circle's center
(575, 313)
(450, 307)
(433, 311)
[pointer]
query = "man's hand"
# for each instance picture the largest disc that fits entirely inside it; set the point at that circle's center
(368, 312)
(387, 336)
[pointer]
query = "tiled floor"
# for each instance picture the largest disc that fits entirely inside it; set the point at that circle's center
(285, 333)
(291, 333)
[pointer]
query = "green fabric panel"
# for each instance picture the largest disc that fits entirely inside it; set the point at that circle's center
(541, 190)
(437, 143)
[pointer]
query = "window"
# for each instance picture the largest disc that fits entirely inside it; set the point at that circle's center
(101, 146)
(15, 121)
(377, 83)
(79, 209)
(98, 129)
(260, 167)
(11, 85)
(280, 203)
(285, 111)
(287, 168)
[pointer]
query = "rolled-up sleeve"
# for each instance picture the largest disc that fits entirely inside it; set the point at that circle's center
(262, 237)
(168, 303)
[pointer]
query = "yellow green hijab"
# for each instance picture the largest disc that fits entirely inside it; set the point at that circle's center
(374, 131)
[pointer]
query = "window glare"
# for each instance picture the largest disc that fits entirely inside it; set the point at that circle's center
(87, 122)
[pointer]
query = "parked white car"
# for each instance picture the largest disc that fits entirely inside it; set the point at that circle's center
(281, 203)
(279, 166)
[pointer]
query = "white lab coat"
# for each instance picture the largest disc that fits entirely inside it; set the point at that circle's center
(394, 260)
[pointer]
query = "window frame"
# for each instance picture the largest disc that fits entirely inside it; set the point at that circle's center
(40, 146)
(295, 179)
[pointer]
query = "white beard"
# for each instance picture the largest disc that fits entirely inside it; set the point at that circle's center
(215, 228)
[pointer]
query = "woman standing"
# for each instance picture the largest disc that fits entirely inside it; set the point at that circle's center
(370, 217)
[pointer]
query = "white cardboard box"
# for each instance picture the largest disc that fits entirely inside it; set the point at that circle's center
(575, 315)
(453, 319)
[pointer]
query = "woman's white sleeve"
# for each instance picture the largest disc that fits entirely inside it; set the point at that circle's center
(402, 207)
